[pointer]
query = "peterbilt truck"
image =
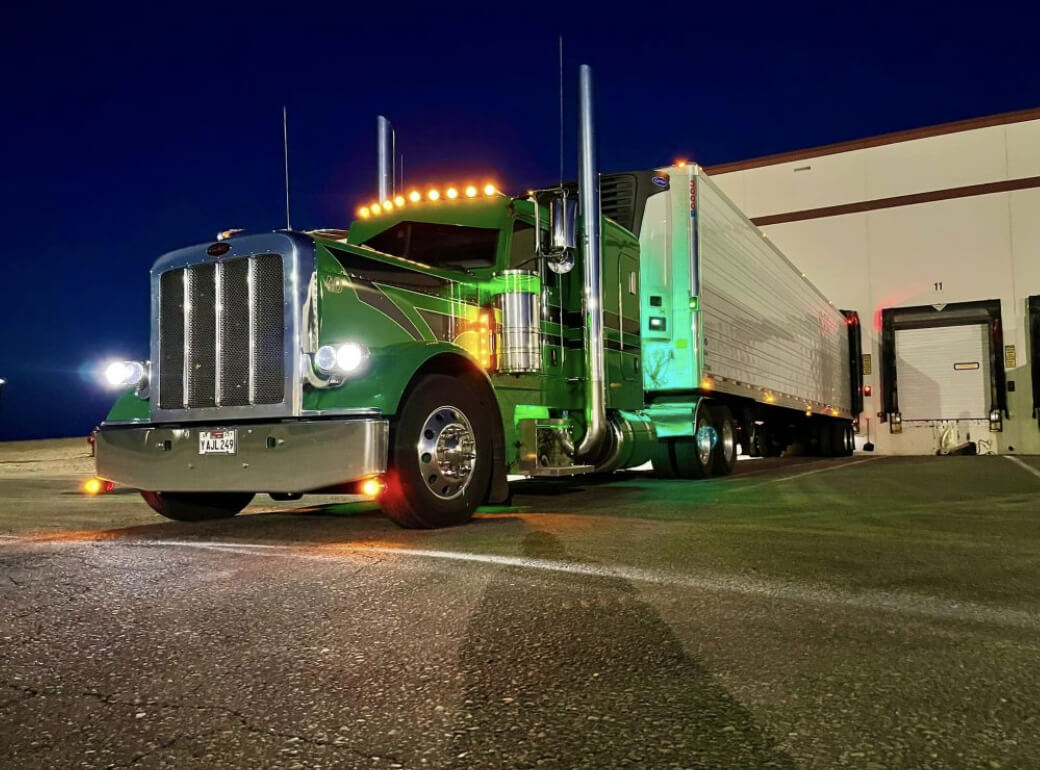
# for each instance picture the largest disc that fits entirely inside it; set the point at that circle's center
(454, 335)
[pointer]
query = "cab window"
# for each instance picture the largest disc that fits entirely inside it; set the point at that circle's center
(438, 245)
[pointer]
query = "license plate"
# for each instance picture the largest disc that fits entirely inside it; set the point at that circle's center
(218, 442)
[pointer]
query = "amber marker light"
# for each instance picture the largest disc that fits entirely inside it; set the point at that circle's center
(471, 191)
(375, 208)
(95, 486)
(414, 196)
(452, 193)
(489, 189)
(770, 398)
(707, 384)
(372, 487)
(364, 213)
(388, 205)
(399, 201)
(680, 164)
(433, 195)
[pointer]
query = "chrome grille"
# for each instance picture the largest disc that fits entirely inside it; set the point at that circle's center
(221, 334)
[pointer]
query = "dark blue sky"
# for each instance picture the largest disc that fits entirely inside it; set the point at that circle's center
(132, 131)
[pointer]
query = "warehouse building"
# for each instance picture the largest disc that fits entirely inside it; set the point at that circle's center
(934, 236)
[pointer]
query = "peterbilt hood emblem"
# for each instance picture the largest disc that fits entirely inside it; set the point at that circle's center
(335, 283)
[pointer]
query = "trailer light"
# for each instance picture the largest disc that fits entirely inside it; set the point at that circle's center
(770, 398)
(434, 195)
(388, 205)
(376, 208)
(399, 201)
(414, 196)
(489, 189)
(125, 374)
(364, 213)
(452, 193)
(680, 164)
(834, 412)
(471, 191)
(868, 391)
(707, 384)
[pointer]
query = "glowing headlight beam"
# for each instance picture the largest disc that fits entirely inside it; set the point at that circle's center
(124, 374)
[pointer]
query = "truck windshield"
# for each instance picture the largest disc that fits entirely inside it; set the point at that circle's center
(438, 245)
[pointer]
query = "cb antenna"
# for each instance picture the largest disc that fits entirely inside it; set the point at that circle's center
(285, 154)
(561, 110)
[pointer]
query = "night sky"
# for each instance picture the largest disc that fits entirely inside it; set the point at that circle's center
(132, 131)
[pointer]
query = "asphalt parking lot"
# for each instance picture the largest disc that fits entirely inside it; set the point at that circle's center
(867, 612)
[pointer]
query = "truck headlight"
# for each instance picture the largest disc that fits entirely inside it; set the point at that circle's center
(345, 359)
(125, 374)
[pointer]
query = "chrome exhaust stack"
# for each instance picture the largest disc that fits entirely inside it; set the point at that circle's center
(384, 157)
(592, 299)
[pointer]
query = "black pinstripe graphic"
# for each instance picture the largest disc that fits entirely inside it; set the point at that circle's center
(373, 296)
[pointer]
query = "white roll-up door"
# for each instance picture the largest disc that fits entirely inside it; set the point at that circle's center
(943, 373)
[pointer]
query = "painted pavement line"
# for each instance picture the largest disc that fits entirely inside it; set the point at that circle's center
(1023, 465)
(907, 604)
(741, 488)
(824, 470)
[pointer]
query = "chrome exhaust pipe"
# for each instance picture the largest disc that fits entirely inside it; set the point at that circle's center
(384, 158)
(592, 299)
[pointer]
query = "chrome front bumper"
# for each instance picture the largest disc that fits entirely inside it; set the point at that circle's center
(297, 456)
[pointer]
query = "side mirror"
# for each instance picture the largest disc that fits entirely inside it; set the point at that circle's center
(563, 224)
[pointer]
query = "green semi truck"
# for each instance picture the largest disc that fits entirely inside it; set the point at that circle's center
(455, 335)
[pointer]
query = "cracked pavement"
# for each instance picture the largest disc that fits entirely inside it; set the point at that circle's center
(798, 615)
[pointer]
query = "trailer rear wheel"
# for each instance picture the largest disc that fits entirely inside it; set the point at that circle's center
(440, 455)
(845, 439)
(724, 454)
(197, 506)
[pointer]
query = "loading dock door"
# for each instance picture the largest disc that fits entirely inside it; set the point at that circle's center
(943, 372)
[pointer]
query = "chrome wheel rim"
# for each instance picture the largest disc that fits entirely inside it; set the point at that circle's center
(705, 440)
(447, 452)
(728, 438)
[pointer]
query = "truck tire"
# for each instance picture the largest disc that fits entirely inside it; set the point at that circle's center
(724, 455)
(693, 454)
(821, 437)
(764, 443)
(844, 439)
(662, 459)
(440, 454)
(197, 506)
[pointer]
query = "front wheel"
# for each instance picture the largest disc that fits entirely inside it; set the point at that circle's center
(441, 454)
(197, 506)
